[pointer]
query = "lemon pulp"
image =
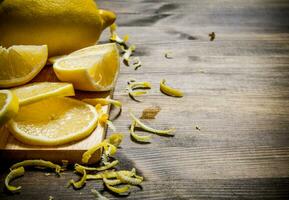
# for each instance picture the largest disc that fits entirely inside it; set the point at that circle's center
(37, 91)
(20, 64)
(53, 121)
(93, 68)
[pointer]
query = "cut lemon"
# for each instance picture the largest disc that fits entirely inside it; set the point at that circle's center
(93, 68)
(53, 59)
(53, 121)
(37, 91)
(8, 105)
(19, 64)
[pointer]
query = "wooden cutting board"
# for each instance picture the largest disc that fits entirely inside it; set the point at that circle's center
(13, 150)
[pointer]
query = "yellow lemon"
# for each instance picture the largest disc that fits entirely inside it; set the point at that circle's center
(64, 25)
(93, 68)
(19, 64)
(53, 121)
(8, 106)
(33, 92)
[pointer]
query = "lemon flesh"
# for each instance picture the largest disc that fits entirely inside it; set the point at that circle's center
(64, 25)
(8, 106)
(20, 64)
(93, 68)
(53, 121)
(33, 92)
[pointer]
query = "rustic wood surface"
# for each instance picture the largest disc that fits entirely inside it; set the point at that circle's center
(236, 91)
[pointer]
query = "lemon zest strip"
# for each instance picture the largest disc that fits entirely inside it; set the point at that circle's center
(113, 182)
(115, 139)
(79, 184)
(137, 85)
(103, 118)
(108, 166)
(139, 138)
(79, 168)
(168, 55)
(127, 54)
(93, 176)
(38, 163)
(110, 174)
(109, 148)
(136, 63)
(120, 190)
(87, 155)
(115, 38)
(102, 101)
(126, 179)
(16, 172)
(169, 90)
(149, 129)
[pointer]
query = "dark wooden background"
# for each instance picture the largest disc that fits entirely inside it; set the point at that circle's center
(236, 90)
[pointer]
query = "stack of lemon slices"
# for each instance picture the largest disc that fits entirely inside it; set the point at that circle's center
(42, 113)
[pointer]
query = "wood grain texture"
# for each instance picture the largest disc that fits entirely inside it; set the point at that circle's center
(236, 90)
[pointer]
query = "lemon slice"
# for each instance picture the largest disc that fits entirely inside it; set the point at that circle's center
(19, 64)
(8, 105)
(53, 121)
(93, 68)
(37, 91)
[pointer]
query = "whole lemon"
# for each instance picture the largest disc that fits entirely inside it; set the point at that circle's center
(63, 25)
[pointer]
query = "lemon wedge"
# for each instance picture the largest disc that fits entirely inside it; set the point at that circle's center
(19, 64)
(93, 68)
(33, 92)
(53, 121)
(8, 105)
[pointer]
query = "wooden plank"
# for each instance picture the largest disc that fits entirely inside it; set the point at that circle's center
(192, 13)
(13, 150)
(194, 163)
(236, 91)
(271, 188)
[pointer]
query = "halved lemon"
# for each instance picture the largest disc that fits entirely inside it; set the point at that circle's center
(53, 121)
(93, 68)
(37, 91)
(20, 64)
(8, 105)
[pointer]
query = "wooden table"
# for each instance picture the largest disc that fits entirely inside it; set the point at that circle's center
(236, 91)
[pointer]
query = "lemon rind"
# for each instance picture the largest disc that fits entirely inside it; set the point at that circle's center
(66, 90)
(10, 108)
(85, 83)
